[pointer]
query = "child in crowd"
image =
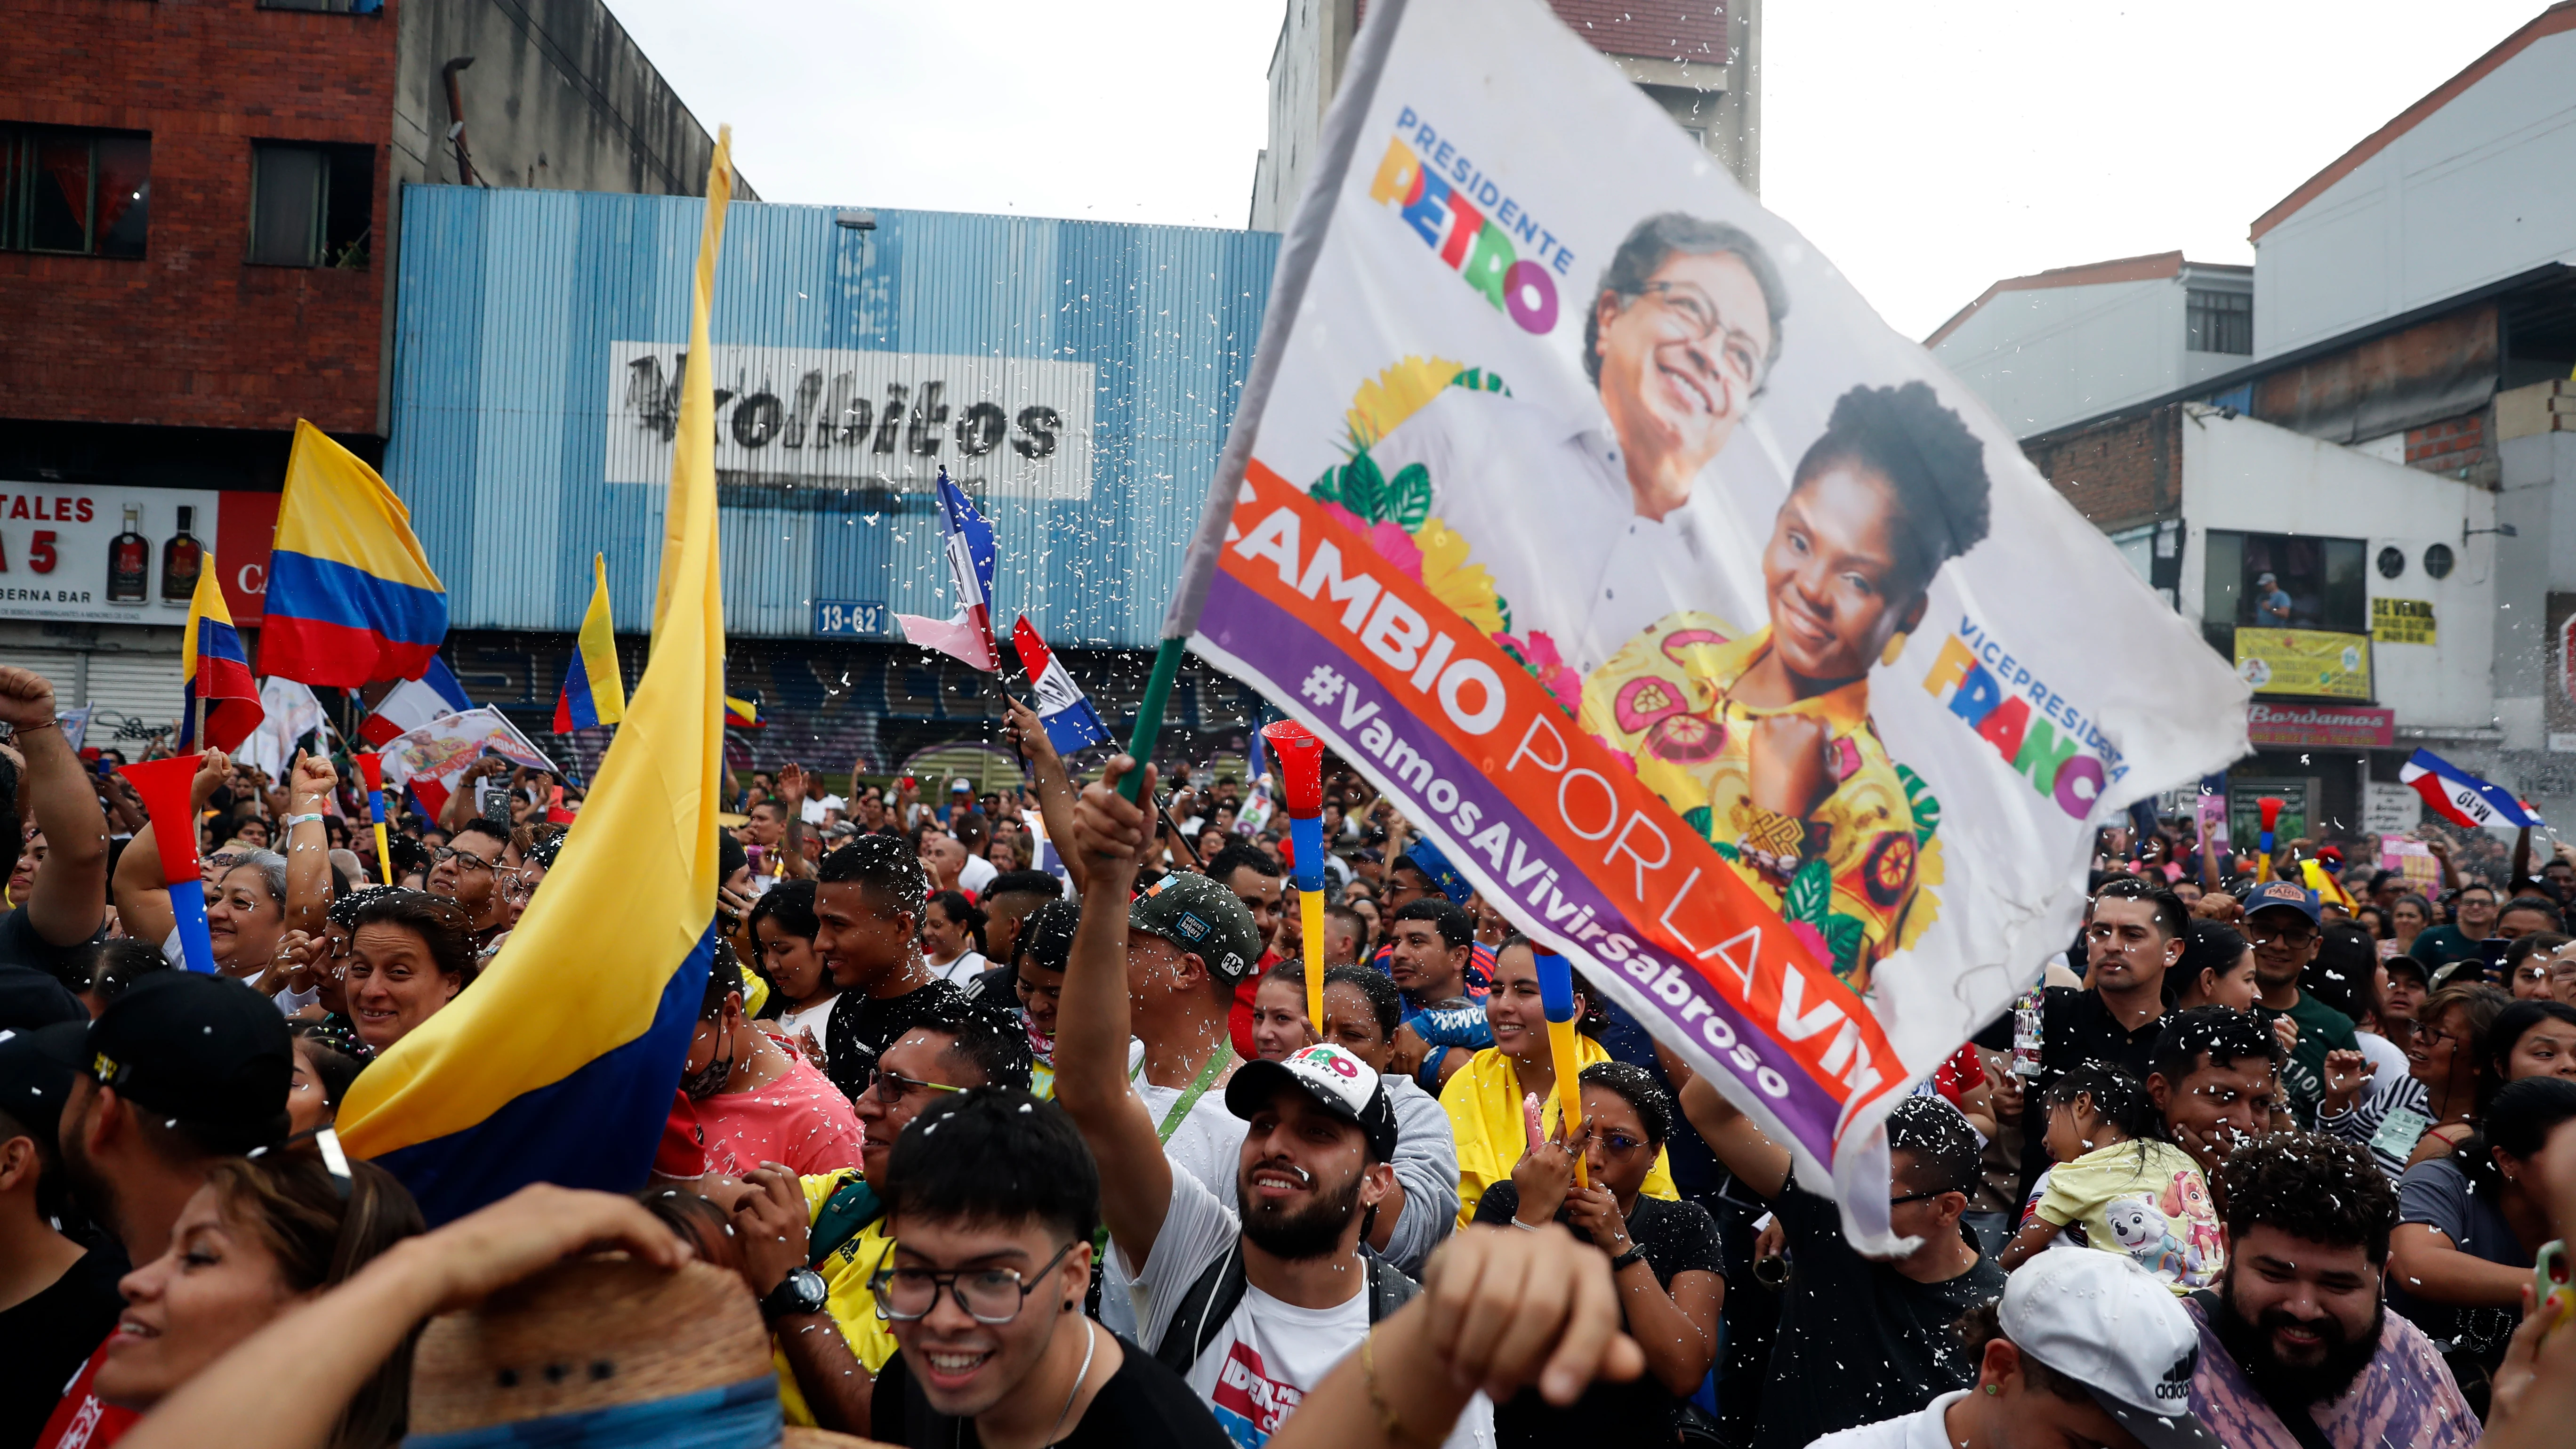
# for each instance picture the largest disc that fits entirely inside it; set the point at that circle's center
(2119, 1185)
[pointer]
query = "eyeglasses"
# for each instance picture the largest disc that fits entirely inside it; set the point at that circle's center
(891, 1086)
(447, 853)
(1698, 317)
(2297, 935)
(987, 1295)
(1900, 1201)
(2433, 1035)
(1613, 1144)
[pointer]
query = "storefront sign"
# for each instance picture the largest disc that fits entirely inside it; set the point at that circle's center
(2331, 726)
(820, 417)
(130, 555)
(2304, 662)
(2401, 621)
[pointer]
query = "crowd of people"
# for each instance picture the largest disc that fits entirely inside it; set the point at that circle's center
(1006, 1120)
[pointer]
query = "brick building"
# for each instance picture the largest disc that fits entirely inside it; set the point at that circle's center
(198, 202)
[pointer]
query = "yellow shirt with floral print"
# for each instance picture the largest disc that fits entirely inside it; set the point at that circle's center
(1664, 699)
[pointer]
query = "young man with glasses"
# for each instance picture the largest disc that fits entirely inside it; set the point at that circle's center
(1862, 1339)
(810, 1244)
(984, 1293)
(2281, 925)
(468, 870)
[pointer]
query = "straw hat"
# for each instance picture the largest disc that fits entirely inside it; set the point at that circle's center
(594, 1333)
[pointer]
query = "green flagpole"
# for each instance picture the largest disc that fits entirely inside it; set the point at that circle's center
(1149, 713)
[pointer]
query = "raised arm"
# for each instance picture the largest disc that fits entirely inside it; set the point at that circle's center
(1758, 1162)
(310, 782)
(791, 794)
(1091, 1028)
(1055, 787)
(66, 902)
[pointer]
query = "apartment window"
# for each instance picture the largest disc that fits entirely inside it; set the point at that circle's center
(311, 205)
(87, 193)
(2219, 322)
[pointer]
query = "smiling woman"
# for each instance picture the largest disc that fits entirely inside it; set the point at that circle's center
(408, 956)
(262, 1236)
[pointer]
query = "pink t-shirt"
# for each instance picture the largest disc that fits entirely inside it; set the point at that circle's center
(801, 1120)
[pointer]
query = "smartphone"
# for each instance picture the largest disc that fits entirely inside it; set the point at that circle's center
(492, 799)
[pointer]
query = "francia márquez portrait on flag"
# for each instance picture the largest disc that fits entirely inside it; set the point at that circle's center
(1763, 741)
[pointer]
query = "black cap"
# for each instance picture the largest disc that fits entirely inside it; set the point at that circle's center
(36, 1076)
(207, 1052)
(30, 999)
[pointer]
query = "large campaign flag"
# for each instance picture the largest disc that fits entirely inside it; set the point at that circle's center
(220, 692)
(2463, 798)
(967, 541)
(415, 702)
(559, 1066)
(1071, 723)
(1705, 625)
(593, 693)
(430, 759)
(351, 598)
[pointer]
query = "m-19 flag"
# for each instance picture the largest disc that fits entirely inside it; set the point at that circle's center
(2463, 798)
(593, 692)
(1071, 723)
(1707, 627)
(351, 597)
(966, 540)
(559, 1066)
(216, 671)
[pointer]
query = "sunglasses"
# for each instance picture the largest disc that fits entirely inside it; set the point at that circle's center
(891, 1086)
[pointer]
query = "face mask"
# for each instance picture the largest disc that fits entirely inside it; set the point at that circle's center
(710, 1079)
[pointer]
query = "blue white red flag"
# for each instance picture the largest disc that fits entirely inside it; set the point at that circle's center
(967, 539)
(1071, 723)
(2463, 798)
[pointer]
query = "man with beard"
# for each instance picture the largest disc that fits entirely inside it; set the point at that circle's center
(2296, 1349)
(1253, 1310)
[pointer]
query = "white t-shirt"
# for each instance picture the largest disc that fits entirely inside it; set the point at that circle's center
(962, 972)
(1269, 1353)
(976, 874)
(1925, 1428)
(816, 1018)
(2388, 1062)
(1207, 1144)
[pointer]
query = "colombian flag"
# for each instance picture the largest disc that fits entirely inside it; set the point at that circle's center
(351, 599)
(594, 694)
(741, 714)
(558, 1065)
(216, 671)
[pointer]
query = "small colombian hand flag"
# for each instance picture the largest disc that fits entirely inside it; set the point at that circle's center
(741, 714)
(594, 693)
(351, 598)
(216, 671)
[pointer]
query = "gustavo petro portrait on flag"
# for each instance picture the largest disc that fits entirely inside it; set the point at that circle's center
(1720, 638)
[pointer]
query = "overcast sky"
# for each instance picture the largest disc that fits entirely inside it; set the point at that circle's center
(1928, 150)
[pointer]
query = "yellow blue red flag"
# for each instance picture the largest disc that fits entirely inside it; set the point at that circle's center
(351, 598)
(558, 1064)
(593, 693)
(220, 691)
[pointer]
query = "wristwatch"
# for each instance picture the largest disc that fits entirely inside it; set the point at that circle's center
(802, 1291)
(1634, 1254)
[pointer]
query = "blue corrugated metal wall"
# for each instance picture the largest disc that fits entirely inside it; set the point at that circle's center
(509, 300)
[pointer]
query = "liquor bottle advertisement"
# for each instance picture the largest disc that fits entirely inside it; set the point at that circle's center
(129, 555)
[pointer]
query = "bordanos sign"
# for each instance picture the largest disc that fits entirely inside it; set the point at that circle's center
(824, 417)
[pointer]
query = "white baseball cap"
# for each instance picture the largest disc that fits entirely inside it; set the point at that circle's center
(2112, 1326)
(961, 785)
(1335, 1078)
